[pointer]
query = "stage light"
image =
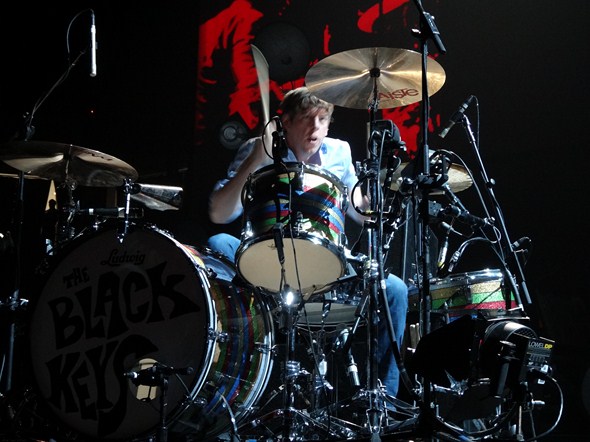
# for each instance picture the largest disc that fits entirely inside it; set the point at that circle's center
(474, 364)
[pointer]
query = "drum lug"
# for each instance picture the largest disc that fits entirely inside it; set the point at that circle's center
(211, 334)
(218, 336)
(262, 347)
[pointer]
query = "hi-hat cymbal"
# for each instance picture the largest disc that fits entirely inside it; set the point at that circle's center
(459, 179)
(67, 163)
(349, 78)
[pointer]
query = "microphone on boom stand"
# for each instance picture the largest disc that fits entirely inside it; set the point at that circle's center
(279, 144)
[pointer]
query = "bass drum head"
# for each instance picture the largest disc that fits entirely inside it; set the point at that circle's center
(108, 308)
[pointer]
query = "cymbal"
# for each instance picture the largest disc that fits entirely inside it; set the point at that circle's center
(349, 78)
(65, 162)
(157, 196)
(459, 178)
(16, 175)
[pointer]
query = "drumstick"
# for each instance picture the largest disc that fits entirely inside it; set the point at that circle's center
(263, 82)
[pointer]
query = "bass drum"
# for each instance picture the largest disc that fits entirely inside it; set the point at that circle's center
(111, 308)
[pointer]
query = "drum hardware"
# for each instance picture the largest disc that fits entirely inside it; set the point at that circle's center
(292, 372)
(127, 189)
(112, 212)
(67, 207)
(375, 82)
(157, 196)
(158, 376)
(14, 302)
(55, 161)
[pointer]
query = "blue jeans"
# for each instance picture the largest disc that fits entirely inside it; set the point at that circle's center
(397, 300)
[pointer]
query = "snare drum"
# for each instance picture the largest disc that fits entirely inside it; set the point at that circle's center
(110, 308)
(302, 207)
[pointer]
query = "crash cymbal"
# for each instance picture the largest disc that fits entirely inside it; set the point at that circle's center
(458, 181)
(67, 163)
(349, 78)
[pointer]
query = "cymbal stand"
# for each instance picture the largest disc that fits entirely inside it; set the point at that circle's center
(424, 182)
(508, 246)
(67, 209)
(25, 132)
(128, 189)
(375, 287)
(14, 302)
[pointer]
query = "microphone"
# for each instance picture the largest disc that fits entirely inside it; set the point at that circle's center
(112, 212)
(280, 131)
(457, 116)
(389, 133)
(442, 256)
(92, 46)
(466, 217)
(279, 146)
(351, 367)
(153, 375)
(454, 259)
(521, 244)
(277, 232)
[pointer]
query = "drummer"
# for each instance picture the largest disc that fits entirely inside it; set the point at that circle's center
(306, 119)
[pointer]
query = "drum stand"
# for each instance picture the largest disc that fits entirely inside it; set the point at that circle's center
(378, 405)
(293, 422)
(158, 376)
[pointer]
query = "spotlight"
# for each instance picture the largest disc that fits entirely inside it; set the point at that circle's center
(508, 351)
(474, 363)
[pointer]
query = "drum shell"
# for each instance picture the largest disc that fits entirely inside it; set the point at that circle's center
(107, 306)
(305, 206)
(482, 292)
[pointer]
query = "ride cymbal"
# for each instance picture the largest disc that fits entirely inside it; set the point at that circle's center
(63, 162)
(351, 78)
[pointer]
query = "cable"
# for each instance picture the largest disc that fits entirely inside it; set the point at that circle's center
(546, 377)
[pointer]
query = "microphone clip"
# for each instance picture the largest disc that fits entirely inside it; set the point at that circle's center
(155, 375)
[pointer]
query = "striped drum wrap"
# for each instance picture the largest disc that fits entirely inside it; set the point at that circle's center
(313, 204)
(308, 205)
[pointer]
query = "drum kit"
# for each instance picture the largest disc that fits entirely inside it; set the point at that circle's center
(135, 336)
